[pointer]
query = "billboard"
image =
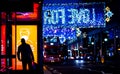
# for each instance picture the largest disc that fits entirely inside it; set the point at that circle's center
(83, 15)
(29, 33)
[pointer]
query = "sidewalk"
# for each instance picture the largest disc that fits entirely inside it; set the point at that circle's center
(46, 71)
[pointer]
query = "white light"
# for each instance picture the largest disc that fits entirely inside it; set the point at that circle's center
(75, 49)
(105, 39)
(92, 43)
(116, 36)
(25, 37)
(68, 37)
(51, 43)
(77, 57)
(81, 46)
(82, 61)
(71, 57)
(81, 57)
(79, 61)
(69, 50)
(88, 57)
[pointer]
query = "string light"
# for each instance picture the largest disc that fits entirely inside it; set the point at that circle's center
(108, 14)
(63, 19)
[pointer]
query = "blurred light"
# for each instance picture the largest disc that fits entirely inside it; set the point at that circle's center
(105, 39)
(71, 57)
(45, 46)
(77, 57)
(92, 43)
(59, 55)
(79, 61)
(81, 46)
(39, 2)
(111, 54)
(65, 57)
(45, 56)
(84, 35)
(75, 49)
(51, 43)
(102, 59)
(116, 36)
(107, 8)
(81, 57)
(80, 52)
(119, 49)
(78, 32)
(69, 50)
(107, 19)
(88, 57)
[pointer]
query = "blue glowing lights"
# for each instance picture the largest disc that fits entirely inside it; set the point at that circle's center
(62, 20)
(78, 15)
(108, 14)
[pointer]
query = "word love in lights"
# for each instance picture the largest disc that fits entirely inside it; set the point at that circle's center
(76, 15)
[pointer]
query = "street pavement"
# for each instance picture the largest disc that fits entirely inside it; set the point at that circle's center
(6, 71)
(69, 67)
(46, 71)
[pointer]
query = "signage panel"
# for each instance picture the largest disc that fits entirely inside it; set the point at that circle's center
(83, 15)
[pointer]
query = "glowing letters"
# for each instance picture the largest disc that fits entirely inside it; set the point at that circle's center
(54, 16)
(76, 16)
(84, 15)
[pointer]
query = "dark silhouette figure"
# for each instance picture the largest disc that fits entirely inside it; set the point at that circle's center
(25, 55)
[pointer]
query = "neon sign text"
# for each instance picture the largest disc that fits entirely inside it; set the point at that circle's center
(75, 16)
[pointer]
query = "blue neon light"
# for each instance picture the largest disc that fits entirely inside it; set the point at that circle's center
(62, 19)
(85, 15)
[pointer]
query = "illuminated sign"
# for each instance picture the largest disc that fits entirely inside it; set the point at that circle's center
(3, 40)
(28, 16)
(84, 15)
(3, 45)
(29, 32)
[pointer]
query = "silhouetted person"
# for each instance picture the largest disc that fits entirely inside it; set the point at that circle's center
(25, 55)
